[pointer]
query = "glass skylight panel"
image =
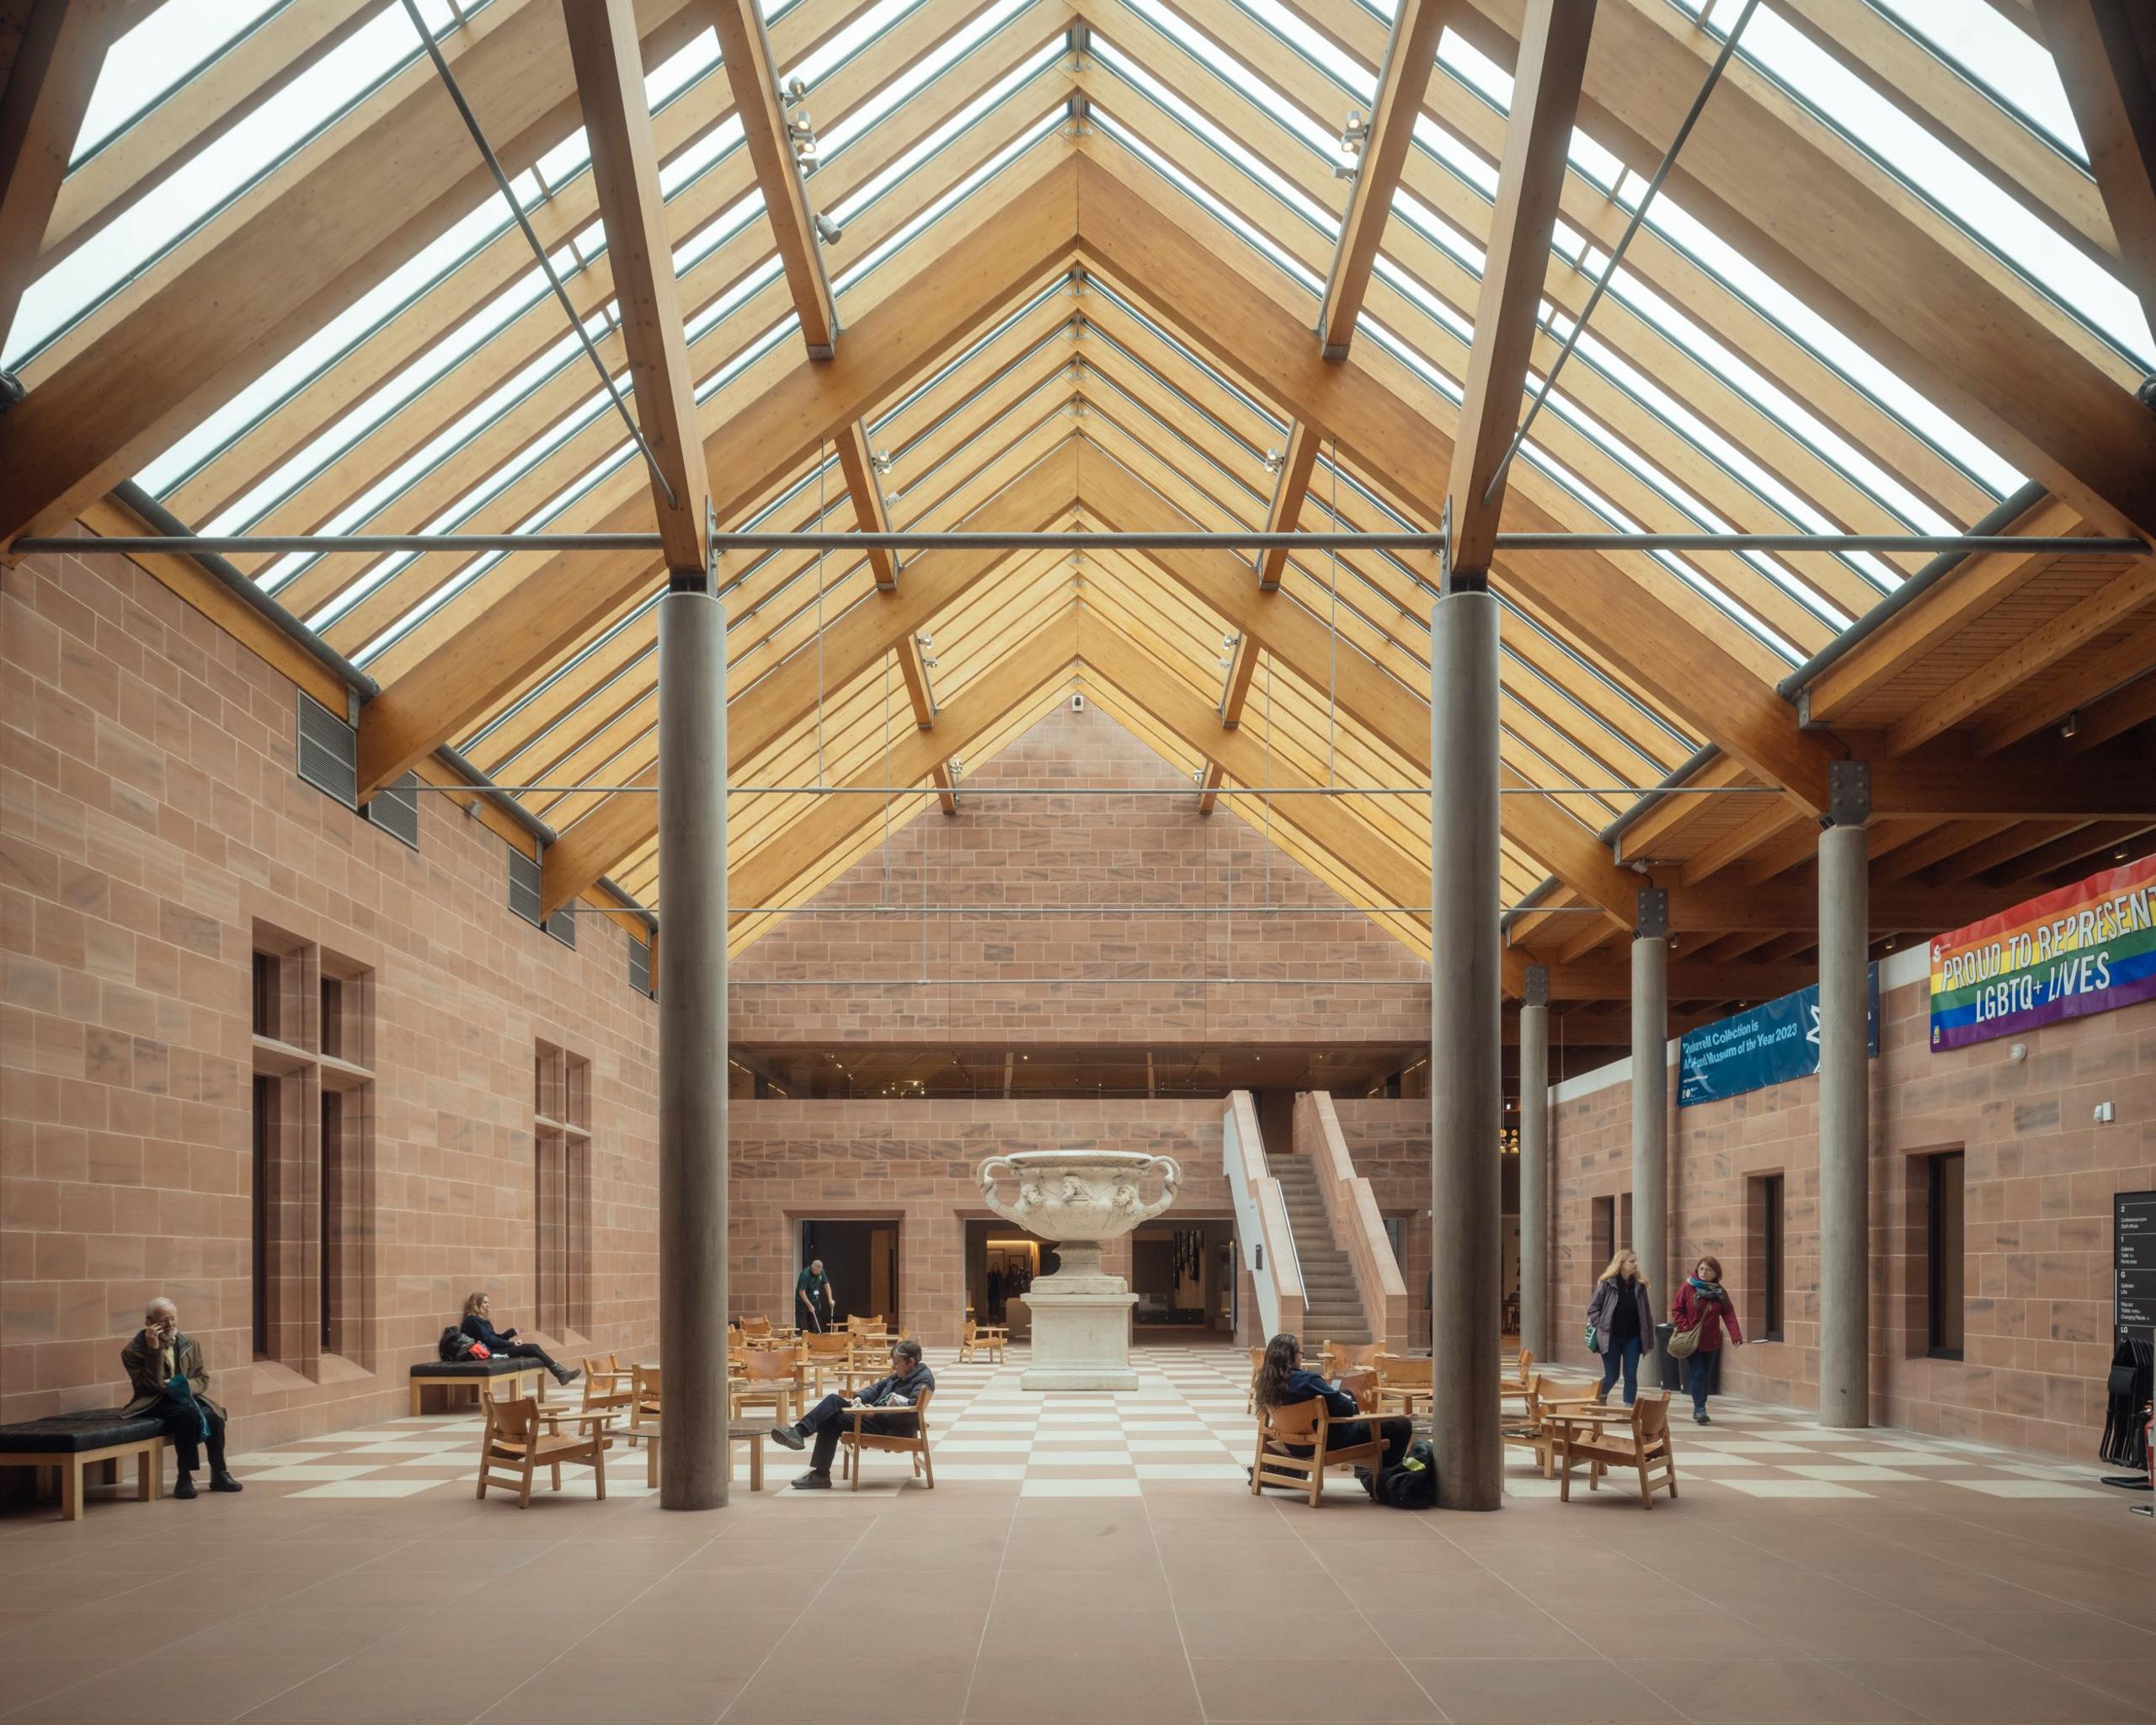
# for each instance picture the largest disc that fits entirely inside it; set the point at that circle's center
(1047, 126)
(2008, 64)
(1931, 167)
(163, 52)
(1108, 126)
(924, 72)
(305, 108)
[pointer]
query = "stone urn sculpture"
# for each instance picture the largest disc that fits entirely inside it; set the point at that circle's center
(1079, 1199)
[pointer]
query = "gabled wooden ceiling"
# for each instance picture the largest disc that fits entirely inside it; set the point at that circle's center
(1086, 242)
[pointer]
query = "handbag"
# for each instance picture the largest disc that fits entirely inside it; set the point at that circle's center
(1593, 1339)
(1684, 1343)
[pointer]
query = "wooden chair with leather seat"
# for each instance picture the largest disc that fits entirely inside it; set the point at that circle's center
(853, 1439)
(769, 1378)
(647, 1386)
(1256, 1363)
(1303, 1425)
(823, 1353)
(1338, 1357)
(1403, 1381)
(1514, 1382)
(1531, 1428)
(987, 1340)
(1637, 1438)
(514, 1448)
(607, 1388)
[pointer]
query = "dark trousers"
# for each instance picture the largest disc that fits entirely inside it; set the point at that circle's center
(830, 1417)
(811, 1319)
(1625, 1354)
(1396, 1432)
(532, 1350)
(1700, 1377)
(183, 1424)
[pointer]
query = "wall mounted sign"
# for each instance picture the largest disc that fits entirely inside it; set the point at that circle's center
(2133, 1262)
(2087, 948)
(1770, 1043)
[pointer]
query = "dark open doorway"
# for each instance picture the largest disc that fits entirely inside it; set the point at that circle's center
(860, 1256)
(1002, 1262)
(1183, 1277)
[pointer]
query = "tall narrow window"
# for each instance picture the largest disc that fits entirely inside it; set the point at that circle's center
(1943, 1253)
(561, 1188)
(1769, 1255)
(265, 1157)
(328, 1217)
(1602, 1231)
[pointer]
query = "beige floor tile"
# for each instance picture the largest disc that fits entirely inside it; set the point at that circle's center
(1310, 1688)
(1539, 1692)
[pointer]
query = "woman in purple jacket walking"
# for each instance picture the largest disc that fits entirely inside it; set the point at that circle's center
(1622, 1321)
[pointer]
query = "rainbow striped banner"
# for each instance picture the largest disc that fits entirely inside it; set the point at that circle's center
(2087, 948)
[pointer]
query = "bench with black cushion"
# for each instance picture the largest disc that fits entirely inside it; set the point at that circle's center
(68, 1443)
(524, 1377)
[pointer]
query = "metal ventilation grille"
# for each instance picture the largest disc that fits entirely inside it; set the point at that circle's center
(524, 887)
(562, 925)
(329, 753)
(395, 809)
(639, 965)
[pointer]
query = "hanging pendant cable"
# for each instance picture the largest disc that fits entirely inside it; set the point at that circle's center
(1617, 253)
(819, 627)
(538, 248)
(1332, 677)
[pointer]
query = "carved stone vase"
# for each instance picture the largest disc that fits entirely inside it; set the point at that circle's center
(1079, 1199)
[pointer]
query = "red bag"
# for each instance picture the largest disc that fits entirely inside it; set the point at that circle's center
(478, 1350)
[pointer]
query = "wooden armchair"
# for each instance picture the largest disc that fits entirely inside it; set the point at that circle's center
(1256, 1363)
(769, 1378)
(1304, 1426)
(646, 1386)
(1515, 1381)
(752, 1328)
(514, 1448)
(1532, 1428)
(1338, 1356)
(607, 1389)
(986, 1339)
(823, 1354)
(853, 1439)
(1637, 1437)
(1403, 1381)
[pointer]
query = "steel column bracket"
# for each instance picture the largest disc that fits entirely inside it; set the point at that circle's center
(704, 581)
(1535, 992)
(1849, 793)
(1650, 919)
(1451, 579)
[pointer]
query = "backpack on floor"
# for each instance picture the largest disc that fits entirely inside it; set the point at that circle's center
(1413, 1484)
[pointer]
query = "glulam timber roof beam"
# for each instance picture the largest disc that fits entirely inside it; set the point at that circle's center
(1538, 134)
(948, 297)
(1223, 310)
(1789, 194)
(377, 192)
(44, 94)
(625, 168)
(2105, 54)
(746, 52)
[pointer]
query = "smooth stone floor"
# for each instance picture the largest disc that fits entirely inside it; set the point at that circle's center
(1050, 1589)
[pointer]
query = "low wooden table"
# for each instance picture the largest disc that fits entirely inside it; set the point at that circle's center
(741, 1431)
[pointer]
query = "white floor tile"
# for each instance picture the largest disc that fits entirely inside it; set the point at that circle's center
(1848, 1472)
(368, 1489)
(2026, 1487)
(1078, 1458)
(319, 1471)
(1037, 1487)
(1191, 1470)
(1789, 1487)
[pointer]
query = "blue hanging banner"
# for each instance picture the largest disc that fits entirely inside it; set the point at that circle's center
(1770, 1043)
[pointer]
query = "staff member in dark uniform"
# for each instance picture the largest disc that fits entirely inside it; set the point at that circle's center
(812, 1297)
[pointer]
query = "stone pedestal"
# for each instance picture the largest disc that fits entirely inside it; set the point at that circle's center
(1081, 1326)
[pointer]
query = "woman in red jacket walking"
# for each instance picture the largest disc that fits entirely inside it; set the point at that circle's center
(1702, 1301)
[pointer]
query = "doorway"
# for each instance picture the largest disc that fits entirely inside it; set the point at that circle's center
(1002, 1262)
(1176, 1271)
(861, 1258)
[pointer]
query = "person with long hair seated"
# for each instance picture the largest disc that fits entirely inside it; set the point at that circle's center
(1623, 1321)
(501, 1345)
(1282, 1380)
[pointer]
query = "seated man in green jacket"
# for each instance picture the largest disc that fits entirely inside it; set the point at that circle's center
(171, 1383)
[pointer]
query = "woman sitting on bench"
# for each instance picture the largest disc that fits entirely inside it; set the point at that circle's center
(502, 1344)
(172, 1385)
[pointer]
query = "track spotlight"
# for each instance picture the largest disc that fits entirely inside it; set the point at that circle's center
(828, 230)
(795, 92)
(2071, 727)
(882, 460)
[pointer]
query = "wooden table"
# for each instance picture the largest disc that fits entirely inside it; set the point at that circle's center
(741, 1431)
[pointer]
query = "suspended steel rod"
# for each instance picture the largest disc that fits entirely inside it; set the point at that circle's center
(819, 909)
(538, 248)
(377, 544)
(1617, 253)
(964, 789)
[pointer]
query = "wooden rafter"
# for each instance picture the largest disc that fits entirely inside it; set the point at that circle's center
(1410, 55)
(2105, 53)
(1545, 97)
(557, 604)
(746, 52)
(865, 485)
(625, 168)
(46, 92)
(306, 250)
(1285, 512)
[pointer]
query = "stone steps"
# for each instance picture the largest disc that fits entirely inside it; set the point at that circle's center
(1332, 1308)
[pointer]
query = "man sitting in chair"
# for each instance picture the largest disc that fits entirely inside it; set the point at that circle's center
(902, 1388)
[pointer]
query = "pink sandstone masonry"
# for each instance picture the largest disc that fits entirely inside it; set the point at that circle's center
(150, 820)
(2040, 1175)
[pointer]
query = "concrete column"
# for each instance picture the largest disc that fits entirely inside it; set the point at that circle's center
(1844, 1101)
(1534, 1171)
(1651, 1114)
(1466, 1077)
(692, 1300)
